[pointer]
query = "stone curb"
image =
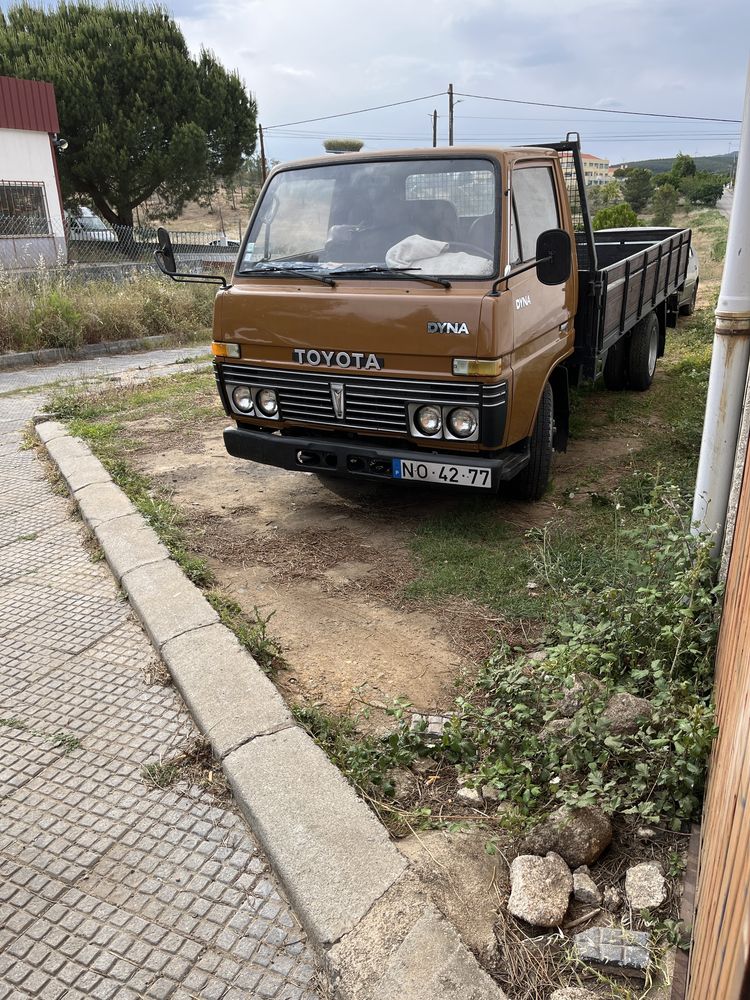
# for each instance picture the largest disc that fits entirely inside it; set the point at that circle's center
(54, 355)
(376, 932)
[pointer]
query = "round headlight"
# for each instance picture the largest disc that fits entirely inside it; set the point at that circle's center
(267, 402)
(428, 420)
(243, 398)
(462, 423)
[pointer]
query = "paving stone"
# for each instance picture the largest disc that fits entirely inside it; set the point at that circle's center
(230, 697)
(614, 949)
(166, 602)
(328, 848)
(108, 888)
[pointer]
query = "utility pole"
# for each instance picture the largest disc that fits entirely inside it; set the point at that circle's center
(729, 359)
(450, 114)
(434, 128)
(263, 167)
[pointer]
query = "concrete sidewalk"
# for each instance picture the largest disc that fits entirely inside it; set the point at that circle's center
(150, 362)
(109, 888)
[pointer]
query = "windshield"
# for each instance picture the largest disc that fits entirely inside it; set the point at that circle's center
(92, 224)
(428, 216)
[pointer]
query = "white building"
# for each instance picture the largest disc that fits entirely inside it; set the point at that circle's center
(31, 212)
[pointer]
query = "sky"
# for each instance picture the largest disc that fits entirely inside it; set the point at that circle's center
(305, 60)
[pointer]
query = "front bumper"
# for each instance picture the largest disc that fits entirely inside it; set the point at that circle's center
(357, 461)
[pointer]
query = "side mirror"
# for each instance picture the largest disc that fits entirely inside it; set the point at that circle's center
(165, 254)
(554, 257)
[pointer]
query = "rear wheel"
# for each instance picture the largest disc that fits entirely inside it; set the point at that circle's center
(615, 366)
(644, 348)
(531, 483)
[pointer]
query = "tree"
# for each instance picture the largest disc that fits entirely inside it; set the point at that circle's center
(603, 195)
(683, 166)
(664, 204)
(702, 188)
(140, 115)
(615, 217)
(343, 145)
(637, 187)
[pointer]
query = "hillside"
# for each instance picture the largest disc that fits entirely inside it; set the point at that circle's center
(721, 163)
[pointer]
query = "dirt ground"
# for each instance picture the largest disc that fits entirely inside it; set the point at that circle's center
(330, 560)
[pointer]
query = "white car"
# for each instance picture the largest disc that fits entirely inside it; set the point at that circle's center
(86, 225)
(689, 291)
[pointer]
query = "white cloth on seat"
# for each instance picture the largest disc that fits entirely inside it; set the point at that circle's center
(429, 256)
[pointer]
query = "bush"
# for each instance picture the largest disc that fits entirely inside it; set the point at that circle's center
(645, 621)
(702, 188)
(50, 309)
(55, 321)
(615, 217)
(664, 205)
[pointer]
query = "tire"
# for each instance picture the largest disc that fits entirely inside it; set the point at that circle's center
(644, 348)
(688, 308)
(531, 483)
(615, 366)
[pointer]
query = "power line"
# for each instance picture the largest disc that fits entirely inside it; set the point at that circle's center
(346, 114)
(603, 111)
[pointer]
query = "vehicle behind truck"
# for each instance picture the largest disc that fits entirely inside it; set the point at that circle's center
(420, 316)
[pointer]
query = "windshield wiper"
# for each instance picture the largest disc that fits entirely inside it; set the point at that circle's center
(396, 272)
(289, 272)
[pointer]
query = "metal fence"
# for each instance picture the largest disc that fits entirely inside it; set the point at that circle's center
(30, 240)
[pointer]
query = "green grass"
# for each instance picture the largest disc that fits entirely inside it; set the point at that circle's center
(475, 552)
(51, 309)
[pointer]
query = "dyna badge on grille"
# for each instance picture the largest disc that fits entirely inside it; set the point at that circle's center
(338, 359)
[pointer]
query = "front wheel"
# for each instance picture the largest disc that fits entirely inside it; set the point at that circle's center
(531, 483)
(644, 348)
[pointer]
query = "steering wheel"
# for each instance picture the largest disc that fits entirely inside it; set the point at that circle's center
(471, 248)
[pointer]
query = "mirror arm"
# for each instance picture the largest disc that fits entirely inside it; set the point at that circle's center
(198, 279)
(518, 270)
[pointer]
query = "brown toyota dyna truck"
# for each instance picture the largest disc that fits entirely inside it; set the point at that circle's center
(420, 316)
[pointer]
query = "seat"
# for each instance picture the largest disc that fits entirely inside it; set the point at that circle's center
(482, 232)
(435, 218)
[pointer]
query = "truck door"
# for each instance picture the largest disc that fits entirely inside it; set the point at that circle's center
(540, 316)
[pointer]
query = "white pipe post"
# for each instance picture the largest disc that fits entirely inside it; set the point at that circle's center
(729, 359)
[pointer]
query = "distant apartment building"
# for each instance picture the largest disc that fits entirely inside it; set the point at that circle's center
(31, 211)
(595, 169)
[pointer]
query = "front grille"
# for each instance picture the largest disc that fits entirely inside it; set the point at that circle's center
(370, 403)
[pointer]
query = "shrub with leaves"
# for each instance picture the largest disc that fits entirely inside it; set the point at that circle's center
(644, 621)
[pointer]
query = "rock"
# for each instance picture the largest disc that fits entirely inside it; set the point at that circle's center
(537, 654)
(472, 796)
(555, 729)
(583, 685)
(645, 833)
(434, 726)
(424, 765)
(625, 713)
(574, 993)
(585, 889)
(614, 949)
(540, 889)
(645, 886)
(612, 899)
(490, 793)
(578, 835)
(405, 785)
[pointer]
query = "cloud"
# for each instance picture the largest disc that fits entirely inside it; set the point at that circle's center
(668, 56)
(292, 71)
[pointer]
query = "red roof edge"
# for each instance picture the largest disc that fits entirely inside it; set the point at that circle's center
(28, 105)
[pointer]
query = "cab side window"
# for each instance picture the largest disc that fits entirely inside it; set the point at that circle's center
(535, 208)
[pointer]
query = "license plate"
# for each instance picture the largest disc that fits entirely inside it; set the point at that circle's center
(442, 472)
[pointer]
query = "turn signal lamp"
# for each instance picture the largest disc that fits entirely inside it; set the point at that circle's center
(225, 350)
(470, 366)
